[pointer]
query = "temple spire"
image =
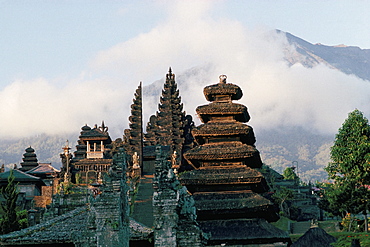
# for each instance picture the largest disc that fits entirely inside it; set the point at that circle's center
(170, 76)
(134, 135)
(166, 128)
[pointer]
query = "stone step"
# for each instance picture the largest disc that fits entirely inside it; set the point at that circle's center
(143, 208)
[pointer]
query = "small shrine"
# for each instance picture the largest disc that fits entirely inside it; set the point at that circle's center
(225, 182)
(92, 157)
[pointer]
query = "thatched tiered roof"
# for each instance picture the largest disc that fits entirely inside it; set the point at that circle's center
(224, 152)
(225, 186)
(236, 231)
(215, 91)
(215, 109)
(234, 176)
(315, 237)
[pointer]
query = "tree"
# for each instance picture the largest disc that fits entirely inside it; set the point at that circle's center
(289, 173)
(282, 195)
(350, 166)
(10, 193)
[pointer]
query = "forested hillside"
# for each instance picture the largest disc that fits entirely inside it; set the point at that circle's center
(278, 148)
(281, 147)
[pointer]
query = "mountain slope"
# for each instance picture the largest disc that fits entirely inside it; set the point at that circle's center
(350, 60)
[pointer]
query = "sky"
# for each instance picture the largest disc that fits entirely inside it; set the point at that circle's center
(65, 64)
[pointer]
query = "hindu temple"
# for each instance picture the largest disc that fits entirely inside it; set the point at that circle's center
(92, 157)
(225, 182)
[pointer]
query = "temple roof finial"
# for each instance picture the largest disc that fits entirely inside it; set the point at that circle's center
(170, 76)
(223, 78)
(103, 127)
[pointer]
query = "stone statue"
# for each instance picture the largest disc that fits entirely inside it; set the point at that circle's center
(174, 163)
(135, 161)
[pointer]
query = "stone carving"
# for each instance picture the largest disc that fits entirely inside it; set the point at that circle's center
(173, 208)
(174, 162)
(135, 161)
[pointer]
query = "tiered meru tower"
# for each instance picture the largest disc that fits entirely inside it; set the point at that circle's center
(225, 183)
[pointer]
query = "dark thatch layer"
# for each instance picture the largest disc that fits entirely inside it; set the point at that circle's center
(240, 112)
(222, 89)
(243, 231)
(95, 132)
(315, 237)
(238, 178)
(230, 200)
(224, 152)
(222, 129)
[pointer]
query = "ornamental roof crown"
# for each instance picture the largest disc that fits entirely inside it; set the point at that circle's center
(222, 91)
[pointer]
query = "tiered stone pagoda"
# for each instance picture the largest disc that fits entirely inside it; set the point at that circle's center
(29, 160)
(225, 183)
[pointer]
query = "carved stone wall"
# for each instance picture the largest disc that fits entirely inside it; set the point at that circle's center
(173, 209)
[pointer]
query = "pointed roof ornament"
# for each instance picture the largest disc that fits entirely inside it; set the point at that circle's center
(170, 76)
(66, 148)
(103, 127)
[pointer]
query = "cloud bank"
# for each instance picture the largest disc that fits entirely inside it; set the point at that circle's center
(277, 95)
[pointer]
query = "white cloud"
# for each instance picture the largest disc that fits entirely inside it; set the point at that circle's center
(276, 95)
(38, 106)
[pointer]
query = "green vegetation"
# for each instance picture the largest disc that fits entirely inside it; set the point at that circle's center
(12, 219)
(283, 223)
(289, 173)
(349, 169)
(281, 196)
(344, 239)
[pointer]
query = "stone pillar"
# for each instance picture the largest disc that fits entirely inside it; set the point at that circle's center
(110, 208)
(165, 201)
(173, 209)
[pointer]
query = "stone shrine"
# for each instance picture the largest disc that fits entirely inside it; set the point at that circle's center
(225, 182)
(92, 156)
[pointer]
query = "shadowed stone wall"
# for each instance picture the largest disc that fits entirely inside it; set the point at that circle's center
(173, 209)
